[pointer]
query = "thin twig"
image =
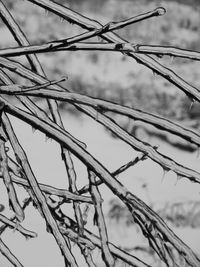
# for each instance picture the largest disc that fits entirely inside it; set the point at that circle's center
(12, 195)
(18, 227)
(18, 35)
(23, 161)
(121, 169)
(167, 51)
(9, 255)
(68, 226)
(100, 221)
(34, 109)
(26, 202)
(65, 194)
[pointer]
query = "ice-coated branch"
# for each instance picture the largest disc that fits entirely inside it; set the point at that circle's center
(166, 162)
(9, 255)
(22, 40)
(111, 37)
(32, 107)
(26, 202)
(91, 240)
(12, 195)
(100, 221)
(68, 196)
(172, 51)
(121, 169)
(105, 105)
(155, 223)
(18, 35)
(23, 161)
(17, 226)
(124, 47)
(76, 18)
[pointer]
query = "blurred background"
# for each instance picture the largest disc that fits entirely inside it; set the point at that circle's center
(115, 77)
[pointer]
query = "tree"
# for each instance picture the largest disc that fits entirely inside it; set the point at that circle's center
(171, 250)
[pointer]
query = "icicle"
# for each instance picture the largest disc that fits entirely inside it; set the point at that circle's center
(16, 226)
(178, 178)
(46, 12)
(33, 130)
(62, 19)
(171, 59)
(165, 171)
(154, 74)
(159, 56)
(191, 104)
(47, 138)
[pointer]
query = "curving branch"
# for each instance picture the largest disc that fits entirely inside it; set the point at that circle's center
(104, 106)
